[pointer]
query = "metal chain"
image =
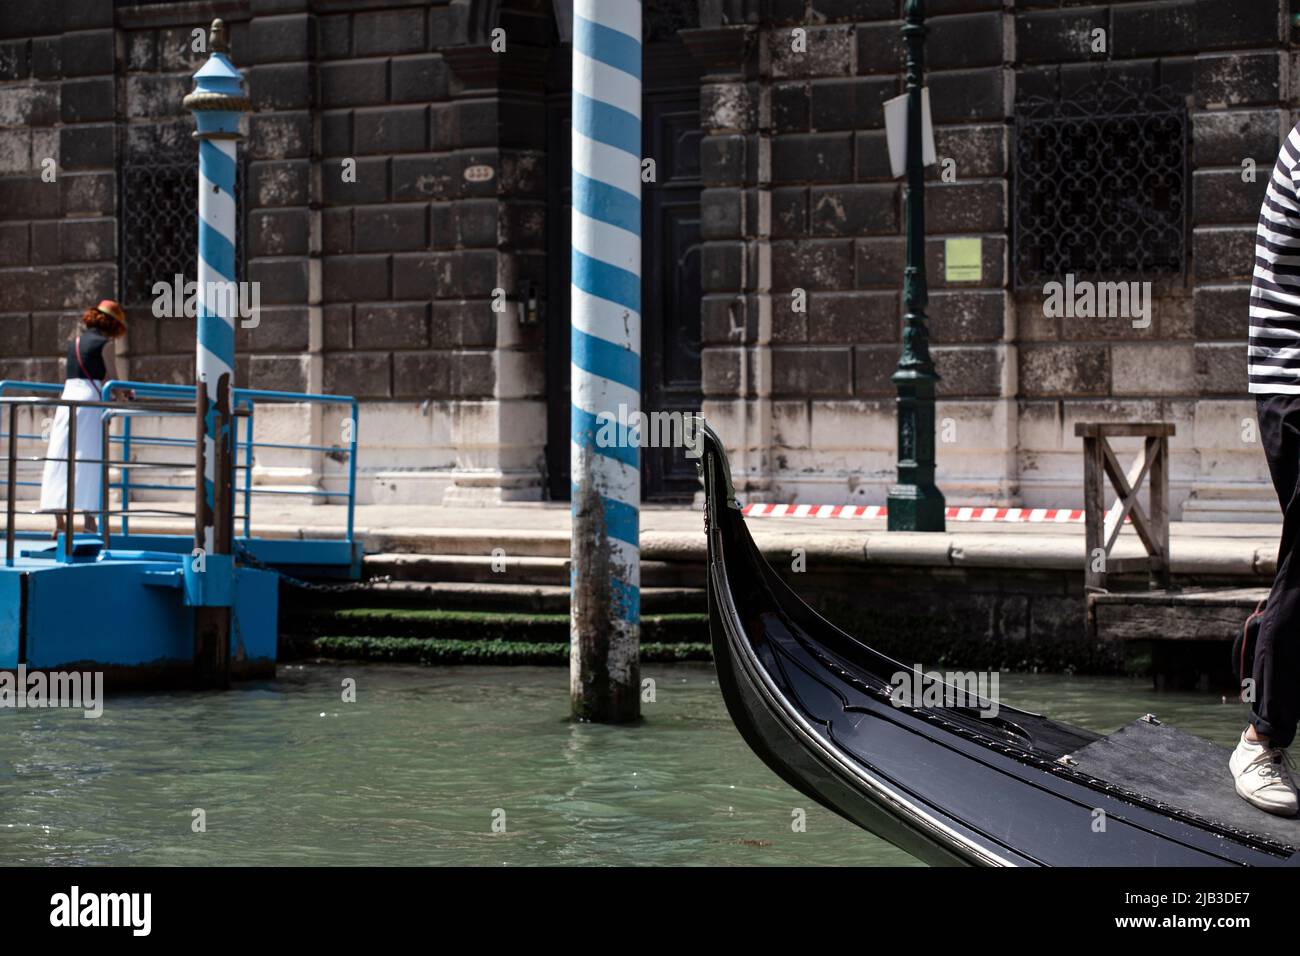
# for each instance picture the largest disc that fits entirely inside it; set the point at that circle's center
(371, 584)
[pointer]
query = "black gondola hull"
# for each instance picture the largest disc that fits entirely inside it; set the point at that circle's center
(943, 784)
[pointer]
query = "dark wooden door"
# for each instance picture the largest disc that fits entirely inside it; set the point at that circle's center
(559, 206)
(670, 266)
(670, 282)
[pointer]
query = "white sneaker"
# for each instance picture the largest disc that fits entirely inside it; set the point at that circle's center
(1263, 777)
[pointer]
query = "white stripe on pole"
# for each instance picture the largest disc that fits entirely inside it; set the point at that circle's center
(594, 395)
(601, 240)
(621, 15)
(590, 155)
(220, 204)
(593, 315)
(606, 83)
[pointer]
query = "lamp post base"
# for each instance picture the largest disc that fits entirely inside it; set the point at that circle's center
(915, 508)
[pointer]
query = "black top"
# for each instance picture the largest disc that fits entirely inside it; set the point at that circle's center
(92, 355)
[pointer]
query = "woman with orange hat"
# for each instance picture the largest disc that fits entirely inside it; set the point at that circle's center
(89, 365)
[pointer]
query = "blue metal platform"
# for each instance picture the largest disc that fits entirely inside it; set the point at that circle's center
(119, 602)
(128, 619)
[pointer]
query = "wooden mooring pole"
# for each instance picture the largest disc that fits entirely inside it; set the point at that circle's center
(217, 101)
(605, 576)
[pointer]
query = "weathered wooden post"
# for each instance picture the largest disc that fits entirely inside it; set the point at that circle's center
(217, 102)
(1102, 527)
(605, 576)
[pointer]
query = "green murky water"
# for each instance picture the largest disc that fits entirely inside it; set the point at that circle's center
(417, 769)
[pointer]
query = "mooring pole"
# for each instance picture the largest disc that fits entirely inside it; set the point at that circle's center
(914, 503)
(605, 557)
(217, 102)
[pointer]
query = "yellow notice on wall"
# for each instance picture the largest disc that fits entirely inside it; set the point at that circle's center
(961, 259)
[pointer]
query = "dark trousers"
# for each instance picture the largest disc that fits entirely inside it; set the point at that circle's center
(1277, 651)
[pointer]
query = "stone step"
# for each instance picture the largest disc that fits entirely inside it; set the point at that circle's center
(445, 624)
(1260, 510)
(522, 543)
(490, 596)
(442, 651)
(1243, 490)
(484, 569)
(534, 543)
(1233, 502)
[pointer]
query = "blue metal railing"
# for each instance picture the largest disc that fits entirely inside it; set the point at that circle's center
(14, 385)
(73, 460)
(44, 388)
(246, 400)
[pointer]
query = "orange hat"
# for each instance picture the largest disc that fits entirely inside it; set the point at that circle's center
(112, 310)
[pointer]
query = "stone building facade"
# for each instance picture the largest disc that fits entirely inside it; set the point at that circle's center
(403, 173)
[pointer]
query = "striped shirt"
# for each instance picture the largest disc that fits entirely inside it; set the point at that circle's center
(1274, 351)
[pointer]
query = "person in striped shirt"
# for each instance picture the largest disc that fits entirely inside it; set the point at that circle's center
(1260, 765)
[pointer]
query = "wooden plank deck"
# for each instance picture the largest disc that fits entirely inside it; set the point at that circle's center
(1183, 770)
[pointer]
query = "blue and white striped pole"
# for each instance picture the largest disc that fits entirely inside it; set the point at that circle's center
(217, 102)
(605, 606)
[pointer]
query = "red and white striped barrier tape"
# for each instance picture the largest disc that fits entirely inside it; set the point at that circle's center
(874, 512)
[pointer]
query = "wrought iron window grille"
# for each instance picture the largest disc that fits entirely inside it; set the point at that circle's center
(1102, 185)
(159, 221)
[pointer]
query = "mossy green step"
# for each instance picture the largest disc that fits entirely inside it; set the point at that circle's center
(431, 651)
(476, 626)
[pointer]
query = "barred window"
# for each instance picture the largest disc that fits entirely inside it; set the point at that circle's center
(159, 220)
(1101, 185)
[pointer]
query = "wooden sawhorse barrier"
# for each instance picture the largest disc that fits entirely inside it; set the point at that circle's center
(1103, 526)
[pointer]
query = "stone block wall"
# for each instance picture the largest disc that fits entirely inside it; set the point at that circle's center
(376, 256)
(382, 283)
(1233, 63)
(58, 236)
(156, 59)
(430, 199)
(803, 283)
(800, 197)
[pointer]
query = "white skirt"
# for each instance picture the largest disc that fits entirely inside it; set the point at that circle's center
(90, 439)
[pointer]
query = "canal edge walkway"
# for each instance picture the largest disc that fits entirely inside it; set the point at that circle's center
(541, 531)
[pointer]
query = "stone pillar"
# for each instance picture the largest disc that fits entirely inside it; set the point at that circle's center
(496, 224)
(736, 212)
(284, 246)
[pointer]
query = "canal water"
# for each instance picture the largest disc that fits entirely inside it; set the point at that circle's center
(469, 765)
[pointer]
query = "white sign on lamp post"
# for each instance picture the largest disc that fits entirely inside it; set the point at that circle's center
(896, 132)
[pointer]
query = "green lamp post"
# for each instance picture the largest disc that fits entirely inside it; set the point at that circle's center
(915, 504)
